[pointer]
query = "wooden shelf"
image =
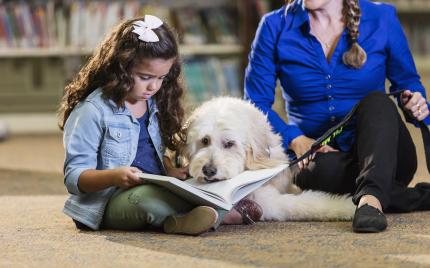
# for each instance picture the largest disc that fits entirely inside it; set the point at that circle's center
(185, 50)
(409, 6)
(422, 63)
(413, 9)
(210, 49)
(31, 123)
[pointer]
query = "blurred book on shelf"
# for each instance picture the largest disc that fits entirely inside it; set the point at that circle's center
(210, 76)
(54, 23)
(417, 31)
(190, 26)
(43, 43)
(221, 25)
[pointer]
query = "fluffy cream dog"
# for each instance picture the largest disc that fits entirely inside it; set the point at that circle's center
(226, 136)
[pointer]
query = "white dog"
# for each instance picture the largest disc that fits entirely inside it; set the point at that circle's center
(226, 136)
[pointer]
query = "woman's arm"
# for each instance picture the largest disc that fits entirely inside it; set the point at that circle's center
(260, 76)
(401, 70)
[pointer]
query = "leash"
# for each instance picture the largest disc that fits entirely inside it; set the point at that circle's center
(333, 132)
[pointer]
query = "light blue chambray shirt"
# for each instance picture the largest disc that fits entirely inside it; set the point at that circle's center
(99, 135)
(318, 94)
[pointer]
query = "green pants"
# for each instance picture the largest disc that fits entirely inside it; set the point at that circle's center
(144, 207)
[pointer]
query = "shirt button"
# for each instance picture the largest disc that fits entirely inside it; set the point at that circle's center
(118, 134)
(330, 97)
(333, 118)
(328, 77)
(331, 108)
(328, 86)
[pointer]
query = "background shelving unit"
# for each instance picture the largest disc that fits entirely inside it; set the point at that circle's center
(33, 78)
(414, 16)
(185, 50)
(43, 43)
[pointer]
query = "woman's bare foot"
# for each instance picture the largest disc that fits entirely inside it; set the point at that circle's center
(371, 201)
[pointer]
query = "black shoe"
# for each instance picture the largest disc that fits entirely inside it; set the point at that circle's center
(368, 219)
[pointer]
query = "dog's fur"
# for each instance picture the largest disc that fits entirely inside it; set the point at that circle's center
(226, 136)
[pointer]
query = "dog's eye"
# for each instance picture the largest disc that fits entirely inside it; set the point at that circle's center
(205, 141)
(228, 144)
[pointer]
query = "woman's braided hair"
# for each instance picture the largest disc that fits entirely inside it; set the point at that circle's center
(355, 56)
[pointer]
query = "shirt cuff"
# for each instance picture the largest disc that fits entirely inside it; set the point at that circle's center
(71, 181)
(289, 134)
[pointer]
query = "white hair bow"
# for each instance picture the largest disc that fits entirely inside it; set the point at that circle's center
(144, 28)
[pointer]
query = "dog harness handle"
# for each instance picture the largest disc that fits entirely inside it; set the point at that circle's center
(330, 134)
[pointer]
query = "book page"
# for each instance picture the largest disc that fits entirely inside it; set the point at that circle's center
(240, 185)
(221, 194)
(186, 191)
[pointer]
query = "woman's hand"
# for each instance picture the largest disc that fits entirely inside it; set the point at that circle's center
(126, 177)
(179, 173)
(301, 144)
(415, 104)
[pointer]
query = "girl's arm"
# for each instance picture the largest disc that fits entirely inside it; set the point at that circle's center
(92, 180)
(83, 134)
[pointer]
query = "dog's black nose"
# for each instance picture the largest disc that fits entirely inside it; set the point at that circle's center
(209, 170)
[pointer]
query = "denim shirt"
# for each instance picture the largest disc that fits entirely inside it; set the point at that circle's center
(99, 135)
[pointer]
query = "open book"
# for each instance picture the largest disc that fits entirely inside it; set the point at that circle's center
(221, 194)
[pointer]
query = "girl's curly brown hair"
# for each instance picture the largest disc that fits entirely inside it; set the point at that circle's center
(109, 68)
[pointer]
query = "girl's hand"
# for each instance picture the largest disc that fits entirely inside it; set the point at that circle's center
(301, 144)
(126, 177)
(415, 104)
(179, 173)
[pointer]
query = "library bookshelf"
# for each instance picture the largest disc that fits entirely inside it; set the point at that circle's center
(414, 16)
(185, 50)
(35, 70)
(33, 79)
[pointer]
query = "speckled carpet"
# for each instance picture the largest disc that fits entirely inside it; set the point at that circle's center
(35, 233)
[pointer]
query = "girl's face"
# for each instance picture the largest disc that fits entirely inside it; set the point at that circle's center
(148, 77)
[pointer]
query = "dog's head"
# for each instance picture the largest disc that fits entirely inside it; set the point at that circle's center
(226, 136)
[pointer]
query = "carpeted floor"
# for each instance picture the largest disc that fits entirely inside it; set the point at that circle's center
(35, 233)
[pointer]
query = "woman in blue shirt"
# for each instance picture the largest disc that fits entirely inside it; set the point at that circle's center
(328, 55)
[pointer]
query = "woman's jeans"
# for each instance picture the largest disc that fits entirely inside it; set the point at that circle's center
(382, 162)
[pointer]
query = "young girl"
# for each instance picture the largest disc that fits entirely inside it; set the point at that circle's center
(118, 116)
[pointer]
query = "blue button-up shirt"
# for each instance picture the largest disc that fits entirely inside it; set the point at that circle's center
(318, 93)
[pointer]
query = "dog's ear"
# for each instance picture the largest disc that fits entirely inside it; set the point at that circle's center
(257, 160)
(264, 148)
(190, 134)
